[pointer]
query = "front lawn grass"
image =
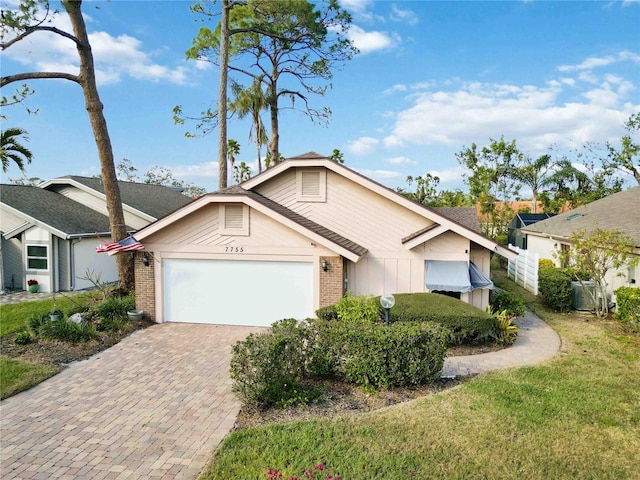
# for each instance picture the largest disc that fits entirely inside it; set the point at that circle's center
(16, 376)
(575, 416)
(13, 317)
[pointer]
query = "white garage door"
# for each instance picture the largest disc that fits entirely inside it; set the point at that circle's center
(236, 292)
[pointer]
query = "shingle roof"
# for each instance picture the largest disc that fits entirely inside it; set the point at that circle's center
(465, 216)
(54, 209)
(620, 211)
(155, 200)
(295, 217)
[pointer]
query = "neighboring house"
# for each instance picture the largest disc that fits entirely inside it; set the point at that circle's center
(50, 232)
(620, 211)
(515, 236)
(296, 238)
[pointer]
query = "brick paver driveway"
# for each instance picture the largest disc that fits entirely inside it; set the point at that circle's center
(153, 406)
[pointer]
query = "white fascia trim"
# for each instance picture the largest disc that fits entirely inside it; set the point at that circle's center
(17, 230)
(95, 193)
(425, 237)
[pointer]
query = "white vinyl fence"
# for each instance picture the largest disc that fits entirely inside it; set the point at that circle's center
(524, 269)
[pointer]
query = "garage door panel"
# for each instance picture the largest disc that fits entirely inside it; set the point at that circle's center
(236, 292)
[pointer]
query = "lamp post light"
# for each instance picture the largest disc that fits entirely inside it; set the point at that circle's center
(387, 301)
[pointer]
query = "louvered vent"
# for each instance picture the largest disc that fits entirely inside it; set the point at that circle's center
(233, 216)
(310, 184)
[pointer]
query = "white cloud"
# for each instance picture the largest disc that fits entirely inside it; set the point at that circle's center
(596, 62)
(396, 88)
(403, 15)
(114, 56)
(536, 116)
(379, 175)
(362, 145)
(450, 175)
(400, 161)
(373, 40)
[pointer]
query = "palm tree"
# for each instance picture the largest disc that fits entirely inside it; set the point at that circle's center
(251, 101)
(534, 174)
(233, 150)
(12, 150)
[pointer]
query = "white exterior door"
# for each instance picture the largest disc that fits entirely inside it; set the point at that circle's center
(230, 292)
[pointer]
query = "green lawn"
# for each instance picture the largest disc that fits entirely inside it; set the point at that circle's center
(16, 375)
(576, 416)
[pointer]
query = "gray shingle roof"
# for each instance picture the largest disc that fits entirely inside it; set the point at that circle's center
(620, 211)
(155, 200)
(295, 217)
(54, 209)
(465, 216)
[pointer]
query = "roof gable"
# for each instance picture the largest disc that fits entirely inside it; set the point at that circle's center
(55, 212)
(620, 211)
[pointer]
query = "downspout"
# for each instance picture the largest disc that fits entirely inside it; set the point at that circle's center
(72, 263)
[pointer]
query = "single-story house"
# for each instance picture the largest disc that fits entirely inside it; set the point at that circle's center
(296, 238)
(620, 211)
(49, 233)
(515, 236)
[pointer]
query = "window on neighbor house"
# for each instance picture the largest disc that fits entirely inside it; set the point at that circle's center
(311, 185)
(234, 219)
(37, 257)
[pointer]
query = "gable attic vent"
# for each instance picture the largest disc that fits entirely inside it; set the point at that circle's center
(311, 185)
(233, 218)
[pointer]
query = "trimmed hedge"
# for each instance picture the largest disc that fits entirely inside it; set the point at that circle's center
(402, 354)
(628, 308)
(465, 323)
(509, 301)
(554, 287)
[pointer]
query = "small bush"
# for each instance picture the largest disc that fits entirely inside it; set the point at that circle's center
(546, 263)
(628, 308)
(113, 325)
(465, 323)
(114, 308)
(327, 313)
(378, 356)
(66, 331)
(506, 330)
(35, 321)
(509, 301)
(22, 338)
(554, 287)
(358, 309)
(266, 367)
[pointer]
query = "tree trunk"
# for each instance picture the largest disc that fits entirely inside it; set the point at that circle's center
(222, 95)
(275, 135)
(101, 134)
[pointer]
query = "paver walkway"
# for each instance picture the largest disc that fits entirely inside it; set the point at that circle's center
(154, 406)
(536, 343)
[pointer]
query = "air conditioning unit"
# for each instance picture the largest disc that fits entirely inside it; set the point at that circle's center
(582, 296)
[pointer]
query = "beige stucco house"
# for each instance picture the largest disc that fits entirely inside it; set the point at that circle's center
(296, 238)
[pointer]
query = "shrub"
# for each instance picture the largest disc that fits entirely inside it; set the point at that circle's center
(112, 325)
(35, 321)
(327, 313)
(66, 331)
(402, 354)
(465, 323)
(22, 338)
(628, 308)
(266, 367)
(554, 287)
(114, 308)
(506, 330)
(358, 309)
(546, 263)
(508, 301)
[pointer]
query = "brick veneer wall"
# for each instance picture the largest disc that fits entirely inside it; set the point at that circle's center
(331, 281)
(145, 286)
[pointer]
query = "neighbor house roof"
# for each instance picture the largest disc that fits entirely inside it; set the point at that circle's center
(620, 211)
(154, 200)
(52, 210)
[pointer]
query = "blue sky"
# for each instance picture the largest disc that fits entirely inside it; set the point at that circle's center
(431, 78)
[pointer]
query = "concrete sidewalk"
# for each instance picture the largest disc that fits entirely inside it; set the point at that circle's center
(536, 343)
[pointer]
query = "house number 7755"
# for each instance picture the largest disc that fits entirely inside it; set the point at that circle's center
(234, 249)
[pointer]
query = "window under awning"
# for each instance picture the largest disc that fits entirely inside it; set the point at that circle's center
(454, 276)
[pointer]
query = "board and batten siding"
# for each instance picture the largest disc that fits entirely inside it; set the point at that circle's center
(13, 262)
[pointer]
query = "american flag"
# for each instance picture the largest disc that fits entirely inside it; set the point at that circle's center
(128, 244)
